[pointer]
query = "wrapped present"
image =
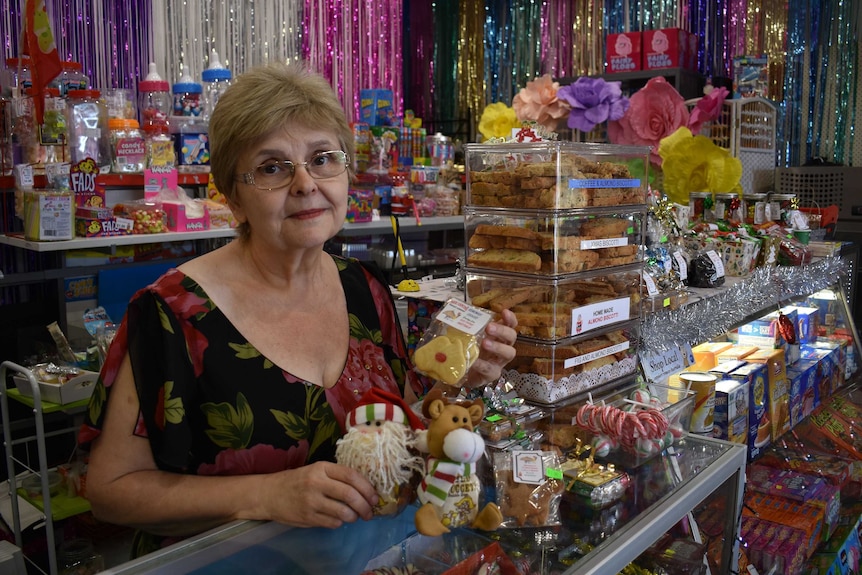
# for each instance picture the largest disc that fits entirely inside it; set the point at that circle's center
(740, 256)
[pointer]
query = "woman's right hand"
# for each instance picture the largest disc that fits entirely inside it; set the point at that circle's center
(321, 494)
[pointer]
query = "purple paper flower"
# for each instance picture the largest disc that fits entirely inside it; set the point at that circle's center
(593, 101)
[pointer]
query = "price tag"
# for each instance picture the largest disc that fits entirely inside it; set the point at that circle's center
(716, 261)
(651, 288)
(682, 265)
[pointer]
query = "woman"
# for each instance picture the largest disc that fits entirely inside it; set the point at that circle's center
(227, 385)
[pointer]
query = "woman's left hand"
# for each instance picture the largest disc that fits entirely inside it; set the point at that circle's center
(497, 350)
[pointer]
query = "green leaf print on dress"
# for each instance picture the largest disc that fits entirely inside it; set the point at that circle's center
(231, 428)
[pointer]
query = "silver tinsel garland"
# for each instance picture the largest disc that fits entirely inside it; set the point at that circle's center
(766, 289)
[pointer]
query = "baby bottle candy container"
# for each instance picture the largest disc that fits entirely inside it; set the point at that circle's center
(216, 80)
(188, 129)
(154, 103)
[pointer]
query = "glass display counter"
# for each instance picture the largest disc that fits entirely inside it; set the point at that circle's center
(665, 491)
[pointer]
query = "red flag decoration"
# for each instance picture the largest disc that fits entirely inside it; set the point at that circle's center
(38, 43)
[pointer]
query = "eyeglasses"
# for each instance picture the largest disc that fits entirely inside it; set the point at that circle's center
(275, 174)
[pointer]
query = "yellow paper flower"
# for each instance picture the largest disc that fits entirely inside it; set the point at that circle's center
(497, 121)
(696, 164)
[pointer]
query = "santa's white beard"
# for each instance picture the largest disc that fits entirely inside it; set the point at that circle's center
(383, 456)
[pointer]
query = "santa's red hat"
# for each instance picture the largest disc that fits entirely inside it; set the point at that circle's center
(379, 405)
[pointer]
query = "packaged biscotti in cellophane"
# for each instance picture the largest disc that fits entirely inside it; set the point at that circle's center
(451, 343)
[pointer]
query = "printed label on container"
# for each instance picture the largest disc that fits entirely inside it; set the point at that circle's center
(528, 467)
(589, 317)
(582, 359)
(717, 262)
(604, 243)
(651, 288)
(578, 184)
(681, 264)
(464, 317)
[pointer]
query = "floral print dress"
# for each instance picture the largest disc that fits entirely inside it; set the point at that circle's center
(211, 404)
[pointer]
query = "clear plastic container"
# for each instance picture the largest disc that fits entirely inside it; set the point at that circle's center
(121, 104)
(216, 79)
(187, 98)
(71, 77)
(16, 77)
(87, 126)
(79, 557)
(154, 103)
(52, 131)
(128, 148)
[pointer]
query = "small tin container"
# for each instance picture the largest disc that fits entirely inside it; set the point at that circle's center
(699, 203)
(754, 208)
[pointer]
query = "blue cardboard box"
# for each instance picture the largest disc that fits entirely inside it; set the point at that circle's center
(375, 107)
(759, 424)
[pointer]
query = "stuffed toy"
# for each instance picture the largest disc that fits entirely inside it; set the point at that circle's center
(449, 492)
(381, 444)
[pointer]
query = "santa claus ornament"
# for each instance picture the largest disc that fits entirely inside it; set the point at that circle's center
(380, 443)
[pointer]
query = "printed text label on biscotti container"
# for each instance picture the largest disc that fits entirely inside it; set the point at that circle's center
(588, 317)
(575, 183)
(464, 317)
(604, 243)
(581, 359)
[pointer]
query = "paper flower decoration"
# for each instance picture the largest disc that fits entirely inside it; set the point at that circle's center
(694, 164)
(497, 121)
(538, 102)
(592, 102)
(707, 109)
(655, 112)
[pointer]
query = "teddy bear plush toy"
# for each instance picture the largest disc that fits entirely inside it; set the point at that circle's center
(449, 492)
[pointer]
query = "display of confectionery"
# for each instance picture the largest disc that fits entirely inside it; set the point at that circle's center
(664, 200)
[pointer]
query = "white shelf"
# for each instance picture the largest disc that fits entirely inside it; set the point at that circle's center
(407, 225)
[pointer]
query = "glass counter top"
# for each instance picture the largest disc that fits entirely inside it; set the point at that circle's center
(662, 492)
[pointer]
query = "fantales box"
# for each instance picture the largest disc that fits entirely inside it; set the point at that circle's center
(623, 52)
(779, 388)
(759, 424)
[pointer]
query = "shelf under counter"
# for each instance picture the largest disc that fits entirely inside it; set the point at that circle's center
(698, 468)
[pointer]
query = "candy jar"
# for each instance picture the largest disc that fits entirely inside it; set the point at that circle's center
(187, 97)
(52, 132)
(87, 127)
(154, 103)
(71, 77)
(216, 80)
(128, 149)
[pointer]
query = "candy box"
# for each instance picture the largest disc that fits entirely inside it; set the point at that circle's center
(836, 430)
(724, 368)
(48, 215)
(93, 221)
(835, 470)
(182, 217)
(829, 353)
(764, 332)
(838, 556)
(375, 107)
(750, 77)
(806, 324)
(801, 391)
(360, 202)
(730, 420)
(623, 52)
(706, 354)
(736, 353)
(779, 388)
(759, 425)
(664, 48)
(782, 483)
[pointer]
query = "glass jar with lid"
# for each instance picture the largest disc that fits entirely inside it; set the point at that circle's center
(779, 205)
(699, 203)
(754, 208)
(728, 206)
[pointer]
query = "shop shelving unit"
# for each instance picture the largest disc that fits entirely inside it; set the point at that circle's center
(62, 507)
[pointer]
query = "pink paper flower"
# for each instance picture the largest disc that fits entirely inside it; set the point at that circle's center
(655, 111)
(707, 109)
(538, 102)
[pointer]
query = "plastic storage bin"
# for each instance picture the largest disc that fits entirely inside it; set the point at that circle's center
(553, 309)
(527, 242)
(555, 175)
(549, 373)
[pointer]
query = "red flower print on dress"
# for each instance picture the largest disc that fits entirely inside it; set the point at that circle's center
(260, 458)
(367, 363)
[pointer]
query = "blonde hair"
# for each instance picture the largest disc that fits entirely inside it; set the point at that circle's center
(265, 98)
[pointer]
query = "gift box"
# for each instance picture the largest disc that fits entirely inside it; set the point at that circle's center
(740, 256)
(623, 52)
(663, 48)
